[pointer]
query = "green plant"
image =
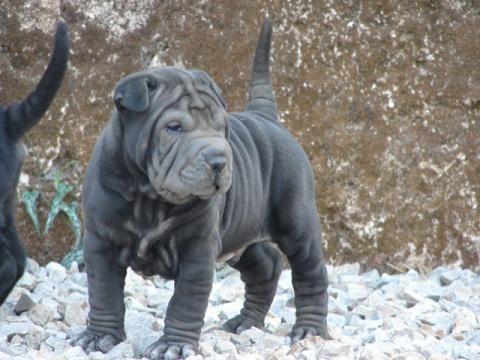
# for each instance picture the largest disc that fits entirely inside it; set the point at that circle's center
(57, 206)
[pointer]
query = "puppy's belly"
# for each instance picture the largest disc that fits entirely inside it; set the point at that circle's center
(232, 257)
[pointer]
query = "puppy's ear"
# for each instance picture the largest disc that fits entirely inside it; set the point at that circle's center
(203, 78)
(132, 94)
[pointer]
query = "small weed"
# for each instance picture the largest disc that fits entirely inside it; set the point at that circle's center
(57, 206)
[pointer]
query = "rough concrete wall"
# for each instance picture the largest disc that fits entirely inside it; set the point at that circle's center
(383, 95)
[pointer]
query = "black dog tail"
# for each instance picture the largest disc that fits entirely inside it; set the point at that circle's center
(261, 97)
(23, 116)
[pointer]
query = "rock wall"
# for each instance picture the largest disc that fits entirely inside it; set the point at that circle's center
(383, 95)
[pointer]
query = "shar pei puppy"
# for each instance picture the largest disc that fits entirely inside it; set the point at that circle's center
(15, 121)
(176, 183)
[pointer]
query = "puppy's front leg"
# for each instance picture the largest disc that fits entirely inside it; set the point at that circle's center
(106, 280)
(186, 309)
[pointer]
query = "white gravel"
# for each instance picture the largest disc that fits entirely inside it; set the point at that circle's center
(371, 316)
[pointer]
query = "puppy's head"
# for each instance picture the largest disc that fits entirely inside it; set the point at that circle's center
(175, 130)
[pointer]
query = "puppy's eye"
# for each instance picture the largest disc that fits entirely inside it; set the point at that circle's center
(151, 84)
(174, 126)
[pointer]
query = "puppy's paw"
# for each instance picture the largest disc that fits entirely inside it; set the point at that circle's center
(301, 332)
(163, 350)
(90, 341)
(240, 323)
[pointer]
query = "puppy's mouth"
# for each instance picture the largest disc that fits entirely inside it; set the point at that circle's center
(216, 183)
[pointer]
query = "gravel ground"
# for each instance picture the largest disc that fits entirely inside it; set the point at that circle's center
(372, 316)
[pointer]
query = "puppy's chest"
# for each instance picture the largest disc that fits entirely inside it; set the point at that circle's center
(150, 249)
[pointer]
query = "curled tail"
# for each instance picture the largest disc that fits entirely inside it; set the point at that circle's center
(23, 116)
(261, 97)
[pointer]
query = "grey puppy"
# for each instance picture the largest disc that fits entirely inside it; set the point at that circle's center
(15, 121)
(175, 183)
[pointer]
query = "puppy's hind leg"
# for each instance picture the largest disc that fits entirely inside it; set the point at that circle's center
(260, 267)
(299, 237)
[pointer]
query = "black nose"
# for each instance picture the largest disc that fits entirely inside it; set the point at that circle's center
(217, 163)
(118, 101)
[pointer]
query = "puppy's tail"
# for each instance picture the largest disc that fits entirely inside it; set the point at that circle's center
(23, 116)
(261, 97)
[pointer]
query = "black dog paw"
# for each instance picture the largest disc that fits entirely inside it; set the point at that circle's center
(301, 332)
(240, 323)
(90, 341)
(168, 351)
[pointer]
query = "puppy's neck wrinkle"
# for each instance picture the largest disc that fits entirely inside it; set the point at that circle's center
(180, 215)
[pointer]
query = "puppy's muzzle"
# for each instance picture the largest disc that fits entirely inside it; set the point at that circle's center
(217, 164)
(217, 161)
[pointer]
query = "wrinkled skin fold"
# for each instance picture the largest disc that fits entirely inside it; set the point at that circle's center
(175, 183)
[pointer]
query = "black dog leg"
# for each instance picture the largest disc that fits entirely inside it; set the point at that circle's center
(106, 280)
(300, 238)
(12, 262)
(260, 267)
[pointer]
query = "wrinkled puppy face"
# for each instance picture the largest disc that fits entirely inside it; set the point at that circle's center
(175, 128)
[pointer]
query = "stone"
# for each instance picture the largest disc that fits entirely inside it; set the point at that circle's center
(27, 281)
(158, 296)
(281, 354)
(289, 315)
(465, 352)
(140, 330)
(283, 329)
(132, 303)
(31, 266)
(52, 307)
(79, 278)
(74, 353)
(381, 335)
(465, 322)
(194, 357)
(458, 292)
(336, 307)
(415, 291)
(344, 300)
(271, 341)
(23, 326)
(40, 314)
(285, 281)
(123, 350)
(411, 355)
(44, 289)
(438, 324)
(206, 349)
(336, 320)
(357, 292)
(272, 323)
(17, 349)
(347, 269)
(23, 304)
(58, 345)
(371, 278)
(56, 272)
(241, 340)
(227, 311)
(449, 276)
(224, 347)
(309, 354)
(279, 304)
(256, 335)
(75, 314)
